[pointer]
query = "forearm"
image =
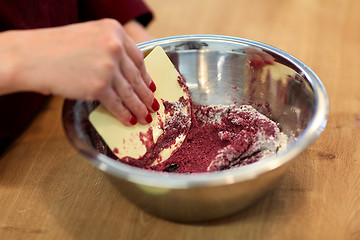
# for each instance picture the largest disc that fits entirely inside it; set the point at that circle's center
(95, 60)
(137, 31)
(13, 44)
(8, 59)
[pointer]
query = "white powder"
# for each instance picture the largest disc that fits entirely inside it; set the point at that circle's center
(262, 137)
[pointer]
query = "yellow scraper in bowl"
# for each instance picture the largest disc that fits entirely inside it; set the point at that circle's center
(125, 141)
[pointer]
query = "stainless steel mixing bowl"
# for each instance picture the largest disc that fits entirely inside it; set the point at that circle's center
(217, 70)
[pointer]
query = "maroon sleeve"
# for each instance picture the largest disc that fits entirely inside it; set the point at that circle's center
(19, 108)
(16, 111)
(121, 10)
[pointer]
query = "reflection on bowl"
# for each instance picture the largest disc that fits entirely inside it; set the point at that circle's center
(216, 69)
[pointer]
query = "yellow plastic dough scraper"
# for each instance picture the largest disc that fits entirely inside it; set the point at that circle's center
(125, 141)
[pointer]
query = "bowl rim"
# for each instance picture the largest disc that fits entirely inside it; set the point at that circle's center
(249, 172)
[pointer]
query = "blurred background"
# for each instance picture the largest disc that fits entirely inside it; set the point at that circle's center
(324, 34)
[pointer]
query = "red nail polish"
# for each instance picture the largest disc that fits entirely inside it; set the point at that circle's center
(133, 120)
(155, 105)
(152, 86)
(148, 118)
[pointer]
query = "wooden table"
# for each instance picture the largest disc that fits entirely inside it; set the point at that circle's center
(48, 191)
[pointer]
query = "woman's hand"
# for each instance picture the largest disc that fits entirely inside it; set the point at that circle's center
(95, 60)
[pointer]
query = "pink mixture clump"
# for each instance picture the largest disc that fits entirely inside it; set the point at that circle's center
(223, 137)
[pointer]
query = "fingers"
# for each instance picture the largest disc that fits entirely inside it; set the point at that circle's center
(135, 95)
(134, 85)
(131, 99)
(130, 104)
(138, 97)
(137, 58)
(114, 105)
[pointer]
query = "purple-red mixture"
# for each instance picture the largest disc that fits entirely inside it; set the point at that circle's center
(223, 137)
(218, 137)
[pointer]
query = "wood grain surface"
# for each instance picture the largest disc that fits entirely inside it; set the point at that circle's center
(48, 191)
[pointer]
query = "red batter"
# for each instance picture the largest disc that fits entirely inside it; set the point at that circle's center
(220, 137)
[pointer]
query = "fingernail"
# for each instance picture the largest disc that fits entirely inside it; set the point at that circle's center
(133, 120)
(148, 118)
(155, 105)
(152, 86)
